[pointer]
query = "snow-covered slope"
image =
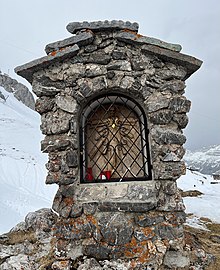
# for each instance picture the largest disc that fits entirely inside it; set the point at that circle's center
(206, 205)
(207, 160)
(22, 169)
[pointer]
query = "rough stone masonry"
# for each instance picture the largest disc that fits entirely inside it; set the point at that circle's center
(135, 224)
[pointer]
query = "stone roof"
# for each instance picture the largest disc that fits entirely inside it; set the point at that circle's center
(126, 32)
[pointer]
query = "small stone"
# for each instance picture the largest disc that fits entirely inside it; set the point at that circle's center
(181, 119)
(76, 210)
(72, 158)
(66, 103)
(119, 55)
(89, 208)
(93, 70)
(49, 91)
(127, 82)
(90, 48)
(147, 220)
(162, 136)
(113, 230)
(55, 122)
(119, 65)
(171, 157)
(173, 86)
(174, 259)
(180, 105)
(95, 250)
(61, 265)
(161, 117)
(157, 101)
(50, 145)
(98, 58)
(44, 104)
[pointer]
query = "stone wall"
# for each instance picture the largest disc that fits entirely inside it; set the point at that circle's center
(136, 221)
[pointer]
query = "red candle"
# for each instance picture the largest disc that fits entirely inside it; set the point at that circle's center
(107, 174)
(89, 175)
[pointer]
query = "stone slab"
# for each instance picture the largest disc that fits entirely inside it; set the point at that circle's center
(27, 70)
(74, 27)
(191, 63)
(131, 37)
(81, 39)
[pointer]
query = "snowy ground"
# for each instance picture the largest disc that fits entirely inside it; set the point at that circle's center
(206, 205)
(22, 165)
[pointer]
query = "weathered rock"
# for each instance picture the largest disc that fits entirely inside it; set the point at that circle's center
(133, 38)
(180, 105)
(162, 136)
(161, 117)
(127, 206)
(175, 259)
(44, 104)
(113, 230)
(181, 119)
(41, 90)
(83, 38)
(19, 90)
(66, 103)
(55, 122)
(74, 27)
(173, 86)
(119, 65)
(157, 101)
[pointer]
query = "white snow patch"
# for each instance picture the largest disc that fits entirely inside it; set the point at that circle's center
(206, 205)
(22, 165)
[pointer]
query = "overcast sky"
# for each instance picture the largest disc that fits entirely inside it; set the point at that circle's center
(26, 26)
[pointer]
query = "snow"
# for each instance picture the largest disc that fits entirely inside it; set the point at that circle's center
(206, 205)
(22, 165)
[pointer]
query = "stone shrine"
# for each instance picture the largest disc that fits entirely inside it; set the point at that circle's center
(113, 108)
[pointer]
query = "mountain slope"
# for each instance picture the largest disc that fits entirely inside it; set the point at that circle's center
(22, 169)
(205, 205)
(206, 160)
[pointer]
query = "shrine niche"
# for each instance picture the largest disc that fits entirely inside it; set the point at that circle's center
(114, 144)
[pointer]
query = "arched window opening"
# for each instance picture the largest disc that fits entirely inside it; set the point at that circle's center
(114, 142)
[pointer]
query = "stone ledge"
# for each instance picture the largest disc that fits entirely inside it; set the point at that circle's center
(191, 63)
(74, 27)
(127, 206)
(27, 70)
(133, 38)
(81, 39)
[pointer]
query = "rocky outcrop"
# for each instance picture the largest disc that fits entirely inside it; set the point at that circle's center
(20, 91)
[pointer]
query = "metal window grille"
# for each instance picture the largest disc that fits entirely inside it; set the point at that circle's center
(114, 144)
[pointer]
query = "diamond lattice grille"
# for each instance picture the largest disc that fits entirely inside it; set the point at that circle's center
(114, 141)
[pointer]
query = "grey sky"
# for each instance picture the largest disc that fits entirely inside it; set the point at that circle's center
(26, 26)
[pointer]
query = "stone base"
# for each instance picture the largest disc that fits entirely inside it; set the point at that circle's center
(101, 241)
